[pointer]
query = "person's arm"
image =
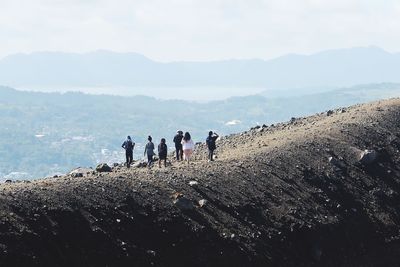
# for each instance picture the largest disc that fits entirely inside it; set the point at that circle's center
(145, 150)
(123, 145)
(133, 145)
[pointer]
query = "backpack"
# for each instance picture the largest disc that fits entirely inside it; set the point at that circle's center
(210, 141)
(129, 145)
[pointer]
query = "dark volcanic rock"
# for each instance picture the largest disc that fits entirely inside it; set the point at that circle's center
(293, 195)
(103, 167)
(368, 156)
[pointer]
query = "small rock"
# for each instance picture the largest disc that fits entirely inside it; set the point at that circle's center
(176, 195)
(329, 113)
(368, 156)
(193, 183)
(202, 202)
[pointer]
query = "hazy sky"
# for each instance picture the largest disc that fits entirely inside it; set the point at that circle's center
(198, 29)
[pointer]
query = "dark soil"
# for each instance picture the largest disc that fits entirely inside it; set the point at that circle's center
(293, 194)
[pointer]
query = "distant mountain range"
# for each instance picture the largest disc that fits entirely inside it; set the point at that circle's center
(336, 68)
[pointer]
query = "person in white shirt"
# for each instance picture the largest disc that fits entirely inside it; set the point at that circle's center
(187, 146)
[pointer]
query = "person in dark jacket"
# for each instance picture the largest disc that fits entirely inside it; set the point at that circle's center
(210, 141)
(128, 145)
(178, 145)
(149, 151)
(162, 153)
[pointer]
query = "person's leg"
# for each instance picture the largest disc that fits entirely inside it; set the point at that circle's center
(181, 152)
(177, 152)
(127, 159)
(211, 154)
(189, 154)
(159, 163)
(130, 158)
(165, 162)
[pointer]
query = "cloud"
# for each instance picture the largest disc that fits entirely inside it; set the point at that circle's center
(197, 30)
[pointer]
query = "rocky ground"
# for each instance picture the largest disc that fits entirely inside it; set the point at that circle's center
(301, 193)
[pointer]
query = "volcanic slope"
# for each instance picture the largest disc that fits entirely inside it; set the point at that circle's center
(292, 194)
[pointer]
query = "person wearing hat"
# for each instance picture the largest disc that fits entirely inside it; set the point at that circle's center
(128, 145)
(178, 145)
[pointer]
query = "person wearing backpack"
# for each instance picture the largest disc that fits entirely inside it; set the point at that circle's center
(162, 153)
(128, 145)
(149, 151)
(178, 145)
(210, 141)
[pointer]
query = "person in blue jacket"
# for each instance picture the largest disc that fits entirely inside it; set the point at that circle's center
(211, 144)
(128, 145)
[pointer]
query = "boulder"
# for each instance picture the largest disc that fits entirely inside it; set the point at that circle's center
(368, 156)
(329, 113)
(103, 167)
(76, 174)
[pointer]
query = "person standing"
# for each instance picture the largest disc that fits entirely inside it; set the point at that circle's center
(128, 145)
(149, 151)
(178, 145)
(188, 146)
(162, 153)
(210, 141)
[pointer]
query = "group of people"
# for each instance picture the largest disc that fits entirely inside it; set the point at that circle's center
(184, 147)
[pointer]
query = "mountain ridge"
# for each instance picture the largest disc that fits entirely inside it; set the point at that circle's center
(291, 194)
(343, 67)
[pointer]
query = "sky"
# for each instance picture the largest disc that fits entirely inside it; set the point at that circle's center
(198, 30)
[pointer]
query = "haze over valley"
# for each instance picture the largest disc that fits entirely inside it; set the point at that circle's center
(57, 132)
